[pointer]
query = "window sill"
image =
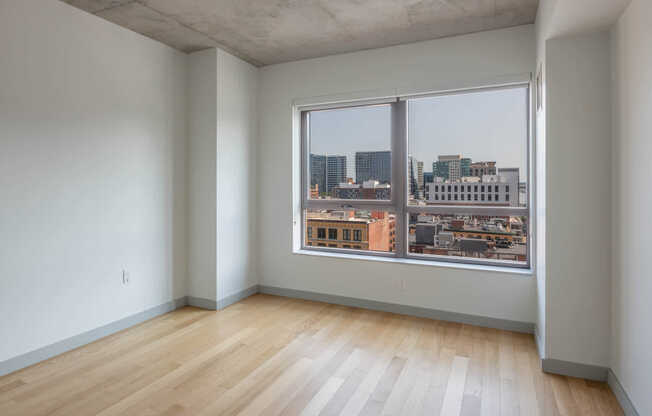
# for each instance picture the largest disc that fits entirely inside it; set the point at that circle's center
(441, 264)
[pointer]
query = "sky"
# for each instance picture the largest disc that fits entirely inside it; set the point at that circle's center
(485, 126)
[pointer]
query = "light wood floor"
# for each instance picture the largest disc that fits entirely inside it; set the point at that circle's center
(269, 355)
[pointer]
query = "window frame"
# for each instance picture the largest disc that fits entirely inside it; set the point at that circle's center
(398, 202)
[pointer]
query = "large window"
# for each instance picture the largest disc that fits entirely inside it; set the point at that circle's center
(441, 177)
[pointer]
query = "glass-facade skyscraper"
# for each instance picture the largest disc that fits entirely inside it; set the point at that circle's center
(373, 166)
(327, 172)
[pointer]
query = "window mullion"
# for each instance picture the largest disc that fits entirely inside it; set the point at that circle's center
(356, 204)
(399, 171)
(468, 210)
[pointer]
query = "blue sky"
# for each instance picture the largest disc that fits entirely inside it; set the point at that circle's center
(487, 125)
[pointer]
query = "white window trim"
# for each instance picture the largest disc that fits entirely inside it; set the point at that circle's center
(398, 202)
(414, 262)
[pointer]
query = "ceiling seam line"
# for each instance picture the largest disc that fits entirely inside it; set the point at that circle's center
(113, 7)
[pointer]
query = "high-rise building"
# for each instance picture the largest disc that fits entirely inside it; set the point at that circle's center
(415, 173)
(510, 174)
(318, 172)
(440, 170)
(412, 177)
(482, 168)
(327, 172)
(428, 177)
(448, 167)
(373, 166)
(452, 167)
(420, 178)
(336, 171)
(465, 167)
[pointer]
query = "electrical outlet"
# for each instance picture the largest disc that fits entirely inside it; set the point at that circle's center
(126, 278)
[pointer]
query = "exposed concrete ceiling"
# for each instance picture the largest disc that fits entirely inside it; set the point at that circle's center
(265, 32)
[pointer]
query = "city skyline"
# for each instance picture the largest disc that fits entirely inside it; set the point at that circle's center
(499, 117)
(375, 169)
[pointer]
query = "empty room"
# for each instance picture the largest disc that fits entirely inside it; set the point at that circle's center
(325, 207)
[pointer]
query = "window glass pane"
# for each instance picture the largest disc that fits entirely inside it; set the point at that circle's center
(349, 155)
(470, 138)
(351, 229)
(486, 238)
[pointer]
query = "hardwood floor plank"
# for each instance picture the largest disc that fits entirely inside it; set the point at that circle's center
(528, 404)
(563, 397)
(472, 400)
(378, 345)
(582, 395)
(288, 378)
(385, 385)
(322, 397)
(172, 377)
(424, 366)
(490, 398)
(434, 399)
(452, 405)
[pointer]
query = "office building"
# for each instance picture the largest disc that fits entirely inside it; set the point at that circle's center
(493, 190)
(480, 169)
(373, 166)
(327, 171)
(451, 167)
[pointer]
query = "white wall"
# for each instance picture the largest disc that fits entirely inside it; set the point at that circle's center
(438, 63)
(578, 199)
(561, 19)
(222, 134)
(236, 174)
(631, 347)
(542, 28)
(202, 174)
(92, 173)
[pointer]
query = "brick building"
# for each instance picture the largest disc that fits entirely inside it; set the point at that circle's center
(374, 231)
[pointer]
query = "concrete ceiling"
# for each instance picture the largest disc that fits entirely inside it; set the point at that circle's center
(265, 32)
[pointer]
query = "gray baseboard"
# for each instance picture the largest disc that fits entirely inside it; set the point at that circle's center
(537, 341)
(621, 395)
(571, 369)
(180, 302)
(525, 327)
(213, 305)
(202, 303)
(236, 297)
(592, 372)
(49, 351)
